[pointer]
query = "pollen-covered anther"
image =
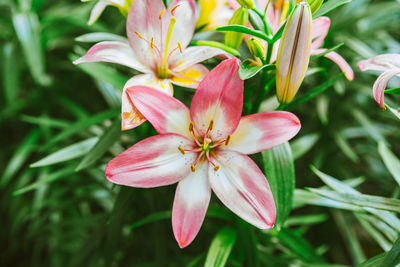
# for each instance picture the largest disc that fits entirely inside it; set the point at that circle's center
(181, 150)
(193, 168)
(152, 42)
(228, 139)
(191, 126)
(161, 14)
(211, 125)
(180, 47)
(173, 10)
(216, 168)
(138, 34)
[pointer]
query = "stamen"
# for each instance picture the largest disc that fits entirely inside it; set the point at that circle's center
(193, 168)
(191, 126)
(180, 46)
(161, 14)
(216, 168)
(181, 150)
(173, 10)
(138, 34)
(211, 125)
(152, 42)
(228, 139)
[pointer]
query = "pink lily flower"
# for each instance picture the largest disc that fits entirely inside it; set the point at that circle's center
(157, 46)
(390, 65)
(205, 149)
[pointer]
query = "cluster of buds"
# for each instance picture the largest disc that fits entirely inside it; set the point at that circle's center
(240, 17)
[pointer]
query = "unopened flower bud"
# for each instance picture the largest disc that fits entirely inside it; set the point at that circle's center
(246, 3)
(256, 47)
(294, 53)
(240, 17)
(315, 5)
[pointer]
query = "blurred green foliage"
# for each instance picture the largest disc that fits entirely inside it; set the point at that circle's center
(60, 126)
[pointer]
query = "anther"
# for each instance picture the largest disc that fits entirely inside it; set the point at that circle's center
(173, 10)
(228, 139)
(211, 125)
(193, 168)
(191, 126)
(152, 42)
(216, 168)
(181, 150)
(161, 14)
(180, 46)
(138, 34)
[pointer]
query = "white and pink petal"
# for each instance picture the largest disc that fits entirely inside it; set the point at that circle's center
(262, 131)
(243, 188)
(380, 86)
(190, 205)
(155, 161)
(166, 113)
(338, 59)
(381, 63)
(219, 98)
(190, 77)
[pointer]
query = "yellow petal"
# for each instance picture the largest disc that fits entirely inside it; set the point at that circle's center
(190, 77)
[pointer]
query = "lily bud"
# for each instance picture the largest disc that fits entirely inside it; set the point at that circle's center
(246, 3)
(240, 17)
(256, 47)
(315, 5)
(294, 53)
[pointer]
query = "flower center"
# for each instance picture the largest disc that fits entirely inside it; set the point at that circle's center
(205, 146)
(161, 53)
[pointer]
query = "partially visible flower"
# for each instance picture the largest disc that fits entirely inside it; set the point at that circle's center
(122, 5)
(214, 14)
(294, 53)
(390, 65)
(205, 149)
(158, 40)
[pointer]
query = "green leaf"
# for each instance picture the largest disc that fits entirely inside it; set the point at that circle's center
(392, 258)
(27, 28)
(306, 219)
(374, 233)
(109, 137)
(393, 91)
(70, 152)
(157, 216)
(219, 45)
(249, 69)
(361, 200)
(390, 160)
(302, 145)
(83, 124)
(279, 169)
(345, 147)
(395, 111)
(311, 94)
(244, 29)
(10, 73)
(368, 125)
(19, 157)
(221, 247)
(374, 261)
(329, 6)
(45, 121)
(328, 51)
(95, 37)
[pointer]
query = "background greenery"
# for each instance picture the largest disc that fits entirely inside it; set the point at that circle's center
(60, 210)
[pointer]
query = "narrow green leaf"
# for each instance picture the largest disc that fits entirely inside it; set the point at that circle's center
(374, 261)
(45, 121)
(70, 152)
(221, 247)
(109, 137)
(345, 147)
(361, 200)
(10, 73)
(392, 258)
(368, 126)
(27, 28)
(244, 29)
(83, 124)
(219, 45)
(157, 216)
(390, 160)
(249, 69)
(279, 169)
(49, 178)
(328, 51)
(393, 91)
(375, 234)
(306, 219)
(300, 146)
(313, 93)
(95, 37)
(19, 157)
(329, 6)
(395, 111)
